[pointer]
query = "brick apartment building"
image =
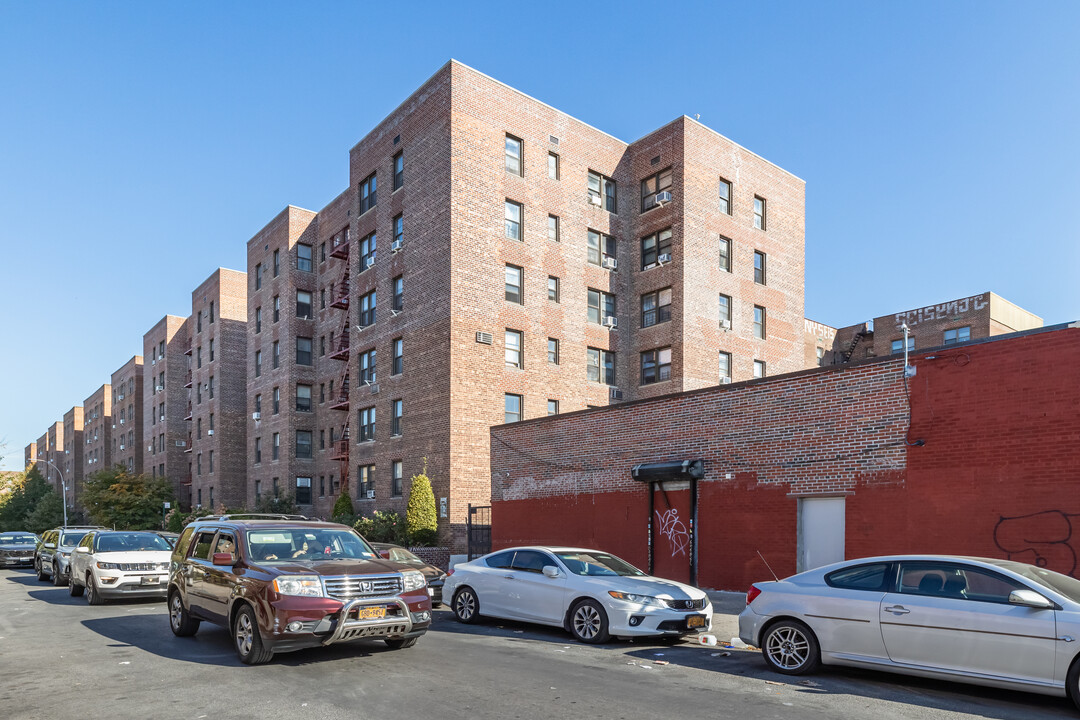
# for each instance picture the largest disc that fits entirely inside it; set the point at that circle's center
(72, 463)
(127, 416)
(165, 398)
(29, 454)
(53, 443)
(496, 259)
(217, 402)
(97, 430)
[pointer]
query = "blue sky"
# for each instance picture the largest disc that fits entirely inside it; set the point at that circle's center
(141, 144)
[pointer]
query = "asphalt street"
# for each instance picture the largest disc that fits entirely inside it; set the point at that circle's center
(61, 658)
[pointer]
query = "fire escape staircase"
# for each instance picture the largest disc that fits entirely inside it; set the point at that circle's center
(341, 352)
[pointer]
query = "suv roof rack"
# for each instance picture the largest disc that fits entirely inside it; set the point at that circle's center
(254, 516)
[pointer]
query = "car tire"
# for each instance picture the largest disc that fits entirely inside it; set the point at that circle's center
(93, 594)
(74, 588)
(466, 606)
(57, 578)
(246, 638)
(790, 648)
(400, 643)
(1072, 682)
(40, 570)
(182, 624)
(589, 623)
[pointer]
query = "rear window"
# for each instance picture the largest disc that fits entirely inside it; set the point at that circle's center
(501, 561)
(73, 538)
(872, 577)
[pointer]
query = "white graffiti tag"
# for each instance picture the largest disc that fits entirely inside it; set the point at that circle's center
(671, 527)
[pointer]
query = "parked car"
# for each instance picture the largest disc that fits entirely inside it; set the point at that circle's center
(170, 537)
(590, 593)
(988, 622)
(434, 576)
(53, 551)
(111, 563)
(282, 585)
(17, 548)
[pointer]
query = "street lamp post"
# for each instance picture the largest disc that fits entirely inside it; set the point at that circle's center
(62, 483)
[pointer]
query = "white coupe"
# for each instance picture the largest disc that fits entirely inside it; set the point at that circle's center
(590, 593)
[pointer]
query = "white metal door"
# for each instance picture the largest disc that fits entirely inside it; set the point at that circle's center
(821, 532)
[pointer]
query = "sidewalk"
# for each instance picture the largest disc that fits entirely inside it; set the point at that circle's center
(726, 609)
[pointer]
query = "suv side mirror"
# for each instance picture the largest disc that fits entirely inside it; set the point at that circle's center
(223, 559)
(551, 571)
(82, 549)
(1031, 599)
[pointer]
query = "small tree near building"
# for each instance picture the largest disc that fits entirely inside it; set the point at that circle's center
(420, 515)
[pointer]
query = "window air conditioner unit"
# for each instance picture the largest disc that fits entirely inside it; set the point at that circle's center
(121, 447)
(615, 393)
(664, 258)
(160, 388)
(484, 338)
(610, 263)
(256, 416)
(663, 198)
(121, 422)
(209, 432)
(611, 322)
(725, 324)
(121, 396)
(370, 495)
(396, 246)
(181, 443)
(149, 448)
(114, 426)
(595, 200)
(725, 381)
(374, 388)
(369, 262)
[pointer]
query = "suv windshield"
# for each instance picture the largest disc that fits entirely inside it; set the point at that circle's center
(292, 544)
(73, 538)
(130, 542)
(591, 564)
(17, 539)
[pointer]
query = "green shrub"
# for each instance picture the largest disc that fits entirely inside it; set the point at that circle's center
(385, 526)
(420, 514)
(343, 508)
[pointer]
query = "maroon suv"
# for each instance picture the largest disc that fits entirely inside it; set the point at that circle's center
(286, 584)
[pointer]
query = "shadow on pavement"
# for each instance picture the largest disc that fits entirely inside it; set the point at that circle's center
(150, 633)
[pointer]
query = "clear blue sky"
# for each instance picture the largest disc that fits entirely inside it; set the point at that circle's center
(141, 144)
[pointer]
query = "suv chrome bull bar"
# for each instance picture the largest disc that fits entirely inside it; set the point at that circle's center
(385, 626)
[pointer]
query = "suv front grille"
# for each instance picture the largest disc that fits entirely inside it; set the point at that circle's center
(345, 587)
(143, 567)
(686, 604)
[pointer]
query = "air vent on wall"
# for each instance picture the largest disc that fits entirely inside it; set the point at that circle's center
(554, 140)
(484, 337)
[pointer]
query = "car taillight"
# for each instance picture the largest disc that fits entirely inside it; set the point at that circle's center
(449, 572)
(752, 593)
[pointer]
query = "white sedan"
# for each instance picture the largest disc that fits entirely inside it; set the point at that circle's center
(592, 594)
(109, 564)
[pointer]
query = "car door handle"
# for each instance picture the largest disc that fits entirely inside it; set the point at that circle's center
(897, 610)
(508, 577)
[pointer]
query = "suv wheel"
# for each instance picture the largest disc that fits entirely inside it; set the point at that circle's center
(182, 624)
(57, 578)
(93, 594)
(74, 588)
(466, 606)
(400, 643)
(249, 644)
(40, 570)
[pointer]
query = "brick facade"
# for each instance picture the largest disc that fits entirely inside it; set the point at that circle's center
(165, 397)
(97, 430)
(72, 463)
(29, 454)
(127, 416)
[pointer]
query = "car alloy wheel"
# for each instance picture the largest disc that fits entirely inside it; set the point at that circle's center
(182, 624)
(466, 606)
(249, 645)
(93, 595)
(588, 622)
(790, 648)
(40, 570)
(57, 578)
(74, 588)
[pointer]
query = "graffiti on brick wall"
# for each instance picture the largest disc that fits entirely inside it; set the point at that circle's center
(943, 311)
(671, 527)
(1043, 538)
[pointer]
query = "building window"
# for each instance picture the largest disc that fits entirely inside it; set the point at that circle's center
(514, 165)
(655, 307)
(303, 351)
(258, 404)
(303, 305)
(367, 309)
(395, 478)
(957, 335)
(303, 444)
(258, 450)
(303, 491)
(322, 439)
(601, 366)
(395, 417)
(367, 193)
(553, 228)
(258, 320)
(512, 216)
(366, 473)
(725, 196)
(601, 247)
(322, 298)
(211, 312)
(759, 212)
(725, 366)
(198, 362)
(277, 308)
(258, 276)
(655, 366)
(553, 351)
(397, 302)
(820, 356)
(553, 288)
(211, 467)
(725, 311)
(601, 306)
(303, 257)
(553, 407)
(367, 424)
(399, 232)
(303, 398)
(513, 349)
(322, 486)
(759, 368)
(398, 359)
(275, 448)
(898, 345)
(275, 404)
(367, 367)
(367, 251)
(553, 166)
(650, 186)
(322, 252)
(399, 170)
(759, 322)
(602, 191)
(725, 254)
(512, 405)
(759, 267)
(515, 284)
(277, 263)
(656, 248)
(211, 386)
(322, 345)
(275, 358)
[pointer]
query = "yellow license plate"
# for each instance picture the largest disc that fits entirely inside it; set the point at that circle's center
(695, 621)
(372, 613)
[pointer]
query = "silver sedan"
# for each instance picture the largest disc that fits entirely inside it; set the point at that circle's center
(989, 622)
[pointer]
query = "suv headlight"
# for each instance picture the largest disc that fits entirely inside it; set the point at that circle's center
(108, 566)
(412, 580)
(637, 599)
(305, 585)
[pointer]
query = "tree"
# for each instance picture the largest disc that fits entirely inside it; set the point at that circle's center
(23, 496)
(116, 498)
(385, 526)
(420, 515)
(343, 508)
(46, 514)
(285, 504)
